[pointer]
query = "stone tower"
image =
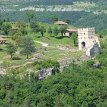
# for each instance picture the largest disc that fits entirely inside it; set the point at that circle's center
(87, 39)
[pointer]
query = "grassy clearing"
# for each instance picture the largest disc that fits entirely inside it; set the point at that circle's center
(48, 53)
(53, 41)
(56, 54)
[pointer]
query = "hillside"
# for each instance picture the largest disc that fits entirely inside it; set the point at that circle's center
(92, 12)
(48, 64)
(77, 86)
(47, 2)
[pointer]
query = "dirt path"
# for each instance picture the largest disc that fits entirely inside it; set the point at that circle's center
(42, 43)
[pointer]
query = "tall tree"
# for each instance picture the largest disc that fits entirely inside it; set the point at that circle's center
(21, 27)
(18, 38)
(54, 18)
(62, 30)
(11, 49)
(75, 40)
(27, 46)
(6, 28)
(1, 24)
(34, 26)
(49, 30)
(30, 15)
(42, 30)
(55, 31)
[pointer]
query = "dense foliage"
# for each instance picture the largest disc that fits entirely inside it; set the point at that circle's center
(76, 18)
(77, 86)
(82, 85)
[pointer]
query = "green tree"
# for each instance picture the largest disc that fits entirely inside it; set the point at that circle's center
(27, 46)
(49, 30)
(27, 102)
(21, 27)
(34, 26)
(1, 24)
(54, 18)
(42, 30)
(11, 49)
(55, 31)
(6, 28)
(30, 15)
(62, 30)
(18, 38)
(58, 102)
(74, 36)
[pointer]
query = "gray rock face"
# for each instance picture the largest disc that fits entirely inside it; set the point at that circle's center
(44, 73)
(97, 65)
(95, 50)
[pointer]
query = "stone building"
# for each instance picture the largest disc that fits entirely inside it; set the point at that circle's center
(69, 32)
(88, 42)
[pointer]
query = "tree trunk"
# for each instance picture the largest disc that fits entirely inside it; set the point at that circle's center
(42, 33)
(27, 56)
(11, 55)
(61, 33)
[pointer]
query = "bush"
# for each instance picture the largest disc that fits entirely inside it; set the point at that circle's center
(46, 64)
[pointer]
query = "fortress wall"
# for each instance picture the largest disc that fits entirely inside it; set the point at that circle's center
(87, 40)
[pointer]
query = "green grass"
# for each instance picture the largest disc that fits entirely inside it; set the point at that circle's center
(50, 38)
(56, 54)
(49, 53)
(54, 41)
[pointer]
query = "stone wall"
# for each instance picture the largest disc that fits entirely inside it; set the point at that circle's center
(87, 41)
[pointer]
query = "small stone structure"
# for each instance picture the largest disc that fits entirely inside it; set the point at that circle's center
(88, 42)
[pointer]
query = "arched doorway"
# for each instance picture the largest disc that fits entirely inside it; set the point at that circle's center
(83, 44)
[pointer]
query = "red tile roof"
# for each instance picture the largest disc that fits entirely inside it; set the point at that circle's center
(60, 23)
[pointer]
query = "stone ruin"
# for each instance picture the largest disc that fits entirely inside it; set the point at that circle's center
(88, 41)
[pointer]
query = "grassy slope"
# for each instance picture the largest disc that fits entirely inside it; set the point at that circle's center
(50, 53)
(77, 18)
